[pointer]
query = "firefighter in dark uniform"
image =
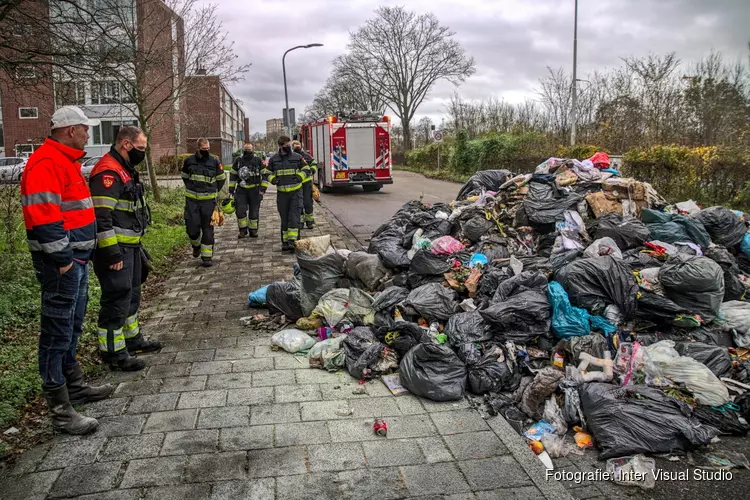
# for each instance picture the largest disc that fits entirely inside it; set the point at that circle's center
(307, 192)
(120, 262)
(247, 185)
(286, 170)
(204, 177)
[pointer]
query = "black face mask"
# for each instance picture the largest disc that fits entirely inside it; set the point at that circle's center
(286, 149)
(136, 156)
(297, 150)
(204, 153)
(248, 153)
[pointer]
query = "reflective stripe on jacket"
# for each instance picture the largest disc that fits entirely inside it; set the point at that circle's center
(287, 172)
(203, 177)
(57, 209)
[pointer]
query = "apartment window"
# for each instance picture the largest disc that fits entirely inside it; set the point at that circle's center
(70, 93)
(105, 93)
(25, 72)
(28, 113)
(106, 132)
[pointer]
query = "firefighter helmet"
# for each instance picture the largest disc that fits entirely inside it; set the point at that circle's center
(227, 206)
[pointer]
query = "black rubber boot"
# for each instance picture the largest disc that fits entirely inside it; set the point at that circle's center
(253, 233)
(207, 263)
(79, 392)
(139, 345)
(310, 224)
(196, 251)
(285, 247)
(292, 246)
(243, 233)
(129, 364)
(64, 418)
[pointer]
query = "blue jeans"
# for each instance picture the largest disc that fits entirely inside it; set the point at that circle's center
(64, 301)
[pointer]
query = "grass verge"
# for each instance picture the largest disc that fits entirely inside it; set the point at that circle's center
(20, 386)
(442, 175)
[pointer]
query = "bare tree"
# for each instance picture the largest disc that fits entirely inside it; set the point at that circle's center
(424, 130)
(404, 54)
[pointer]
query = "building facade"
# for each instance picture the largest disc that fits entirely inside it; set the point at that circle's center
(274, 126)
(213, 112)
(26, 108)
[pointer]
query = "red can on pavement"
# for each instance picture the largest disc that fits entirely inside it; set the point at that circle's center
(380, 427)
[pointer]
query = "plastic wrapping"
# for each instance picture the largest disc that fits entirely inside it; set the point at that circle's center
(596, 282)
(491, 373)
(639, 419)
(627, 232)
(695, 283)
(363, 351)
(603, 246)
(446, 245)
(734, 288)
(433, 301)
(292, 340)
(476, 227)
(521, 317)
(722, 418)
(434, 372)
(283, 298)
(735, 318)
(328, 354)
(319, 275)
(367, 269)
(467, 327)
(569, 321)
(534, 395)
(725, 227)
(716, 358)
(258, 297)
(485, 180)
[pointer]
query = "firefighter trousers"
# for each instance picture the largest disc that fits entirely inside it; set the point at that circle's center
(121, 298)
(247, 202)
(198, 225)
(307, 202)
(289, 205)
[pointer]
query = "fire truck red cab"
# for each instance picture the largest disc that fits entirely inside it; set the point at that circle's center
(350, 149)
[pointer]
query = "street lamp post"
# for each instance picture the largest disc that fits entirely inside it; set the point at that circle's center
(286, 95)
(574, 111)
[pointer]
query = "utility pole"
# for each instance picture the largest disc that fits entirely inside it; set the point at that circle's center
(574, 110)
(286, 95)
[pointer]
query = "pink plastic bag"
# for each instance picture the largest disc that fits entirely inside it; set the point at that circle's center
(600, 160)
(446, 245)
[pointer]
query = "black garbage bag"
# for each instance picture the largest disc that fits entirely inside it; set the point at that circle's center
(526, 281)
(432, 226)
(545, 204)
(319, 275)
(491, 373)
(433, 371)
(433, 301)
(426, 263)
(493, 249)
(401, 336)
(389, 298)
(695, 283)
(671, 228)
(560, 260)
(725, 227)
(362, 350)
(715, 357)
(657, 308)
(743, 401)
(734, 289)
(522, 317)
(491, 278)
(628, 232)
(417, 280)
(476, 227)
(636, 259)
(386, 242)
(467, 327)
(595, 282)
(639, 419)
(470, 353)
(366, 268)
(726, 420)
(283, 297)
(487, 180)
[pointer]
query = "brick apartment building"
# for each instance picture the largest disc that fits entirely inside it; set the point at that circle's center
(212, 112)
(274, 126)
(25, 109)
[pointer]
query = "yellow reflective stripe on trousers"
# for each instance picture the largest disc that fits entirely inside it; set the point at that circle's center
(253, 224)
(293, 234)
(207, 250)
(196, 241)
(242, 223)
(132, 328)
(199, 196)
(118, 339)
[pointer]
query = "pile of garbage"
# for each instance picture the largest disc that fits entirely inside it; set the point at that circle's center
(579, 304)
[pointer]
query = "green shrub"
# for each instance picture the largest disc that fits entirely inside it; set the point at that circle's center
(708, 175)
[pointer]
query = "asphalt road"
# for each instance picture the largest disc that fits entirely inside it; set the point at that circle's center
(362, 212)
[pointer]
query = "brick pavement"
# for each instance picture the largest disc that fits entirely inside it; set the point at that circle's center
(219, 415)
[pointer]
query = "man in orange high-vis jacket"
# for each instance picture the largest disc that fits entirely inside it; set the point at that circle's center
(61, 232)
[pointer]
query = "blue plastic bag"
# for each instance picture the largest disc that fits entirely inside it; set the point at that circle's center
(570, 321)
(477, 259)
(257, 298)
(745, 245)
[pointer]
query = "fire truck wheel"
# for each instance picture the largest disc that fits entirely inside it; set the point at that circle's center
(371, 188)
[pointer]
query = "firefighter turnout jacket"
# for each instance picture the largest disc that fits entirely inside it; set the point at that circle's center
(247, 173)
(311, 163)
(203, 177)
(119, 202)
(287, 171)
(57, 208)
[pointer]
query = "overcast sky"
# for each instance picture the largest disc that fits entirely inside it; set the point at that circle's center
(513, 41)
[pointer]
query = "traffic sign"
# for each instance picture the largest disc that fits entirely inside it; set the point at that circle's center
(438, 136)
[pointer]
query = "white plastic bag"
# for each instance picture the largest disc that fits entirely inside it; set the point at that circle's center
(603, 246)
(666, 361)
(328, 354)
(292, 340)
(735, 316)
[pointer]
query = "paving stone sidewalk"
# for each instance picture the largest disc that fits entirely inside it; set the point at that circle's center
(219, 415)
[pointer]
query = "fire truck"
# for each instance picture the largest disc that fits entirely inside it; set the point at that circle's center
(351, 149)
